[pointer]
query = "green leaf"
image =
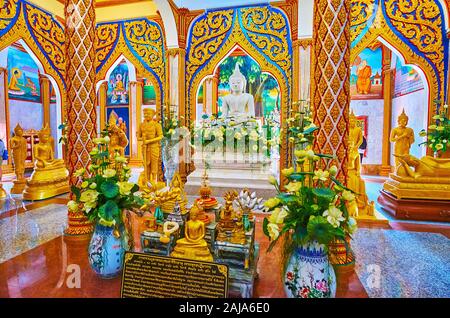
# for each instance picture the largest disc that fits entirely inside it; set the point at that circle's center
(135, 188)
(265, 229)
(318, 228)
(324, 193)
(109, 210)
(109, 189)
(76, 192)
(297, 177)
(321, 155)
(300, 233)
(286, 198)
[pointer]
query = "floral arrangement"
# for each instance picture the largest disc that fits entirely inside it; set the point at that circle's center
(313, 206)
(438, 134)
(216, 129)
(104, 189)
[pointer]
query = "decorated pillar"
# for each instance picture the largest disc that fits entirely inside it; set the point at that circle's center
(331, 99)
(80, 80)
(45, 85)
(331, 80)
(215, 93)
(387, 95)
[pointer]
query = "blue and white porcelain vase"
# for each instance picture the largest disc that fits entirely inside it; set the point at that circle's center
(309, 273)
(106, 250)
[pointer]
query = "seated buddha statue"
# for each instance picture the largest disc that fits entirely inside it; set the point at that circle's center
(175, 193)
(50, 176)
(355, 182)
(238, 234)
(193, 245)
(227, 222)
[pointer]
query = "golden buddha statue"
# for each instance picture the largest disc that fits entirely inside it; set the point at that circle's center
(355, 182)
(176, 193)
(202, 216)
(14, 83)
(425, 178)
(402, 137)
(193, 245)
(238, 234)
(227, 220)
(50, 176)
(18, 146)
(118, 138)
(150, 134)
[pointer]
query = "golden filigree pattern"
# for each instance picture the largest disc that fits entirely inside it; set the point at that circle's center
(207, 36)
(49, 34)
(8, 11)
(360, 13)
(420, 22)
(106, 39)
(146, 41)
(268, 31)
(331, 80)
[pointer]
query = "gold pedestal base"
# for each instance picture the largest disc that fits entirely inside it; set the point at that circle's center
(44, 184)
(194, 254)
(410, 188)
(19, 186)
(377, 218)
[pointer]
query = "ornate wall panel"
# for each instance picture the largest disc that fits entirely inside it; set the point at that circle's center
(362, 13)
(261, 31)
(416, 28)
(141, 41)
(41, 32)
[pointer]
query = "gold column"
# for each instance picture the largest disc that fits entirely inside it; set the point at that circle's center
(331, 98)
(102, 97)
(331, 80)
(296, 70)
(80, 80)
(137, 87)
(387, 95)
(215, 93)
(45, 85)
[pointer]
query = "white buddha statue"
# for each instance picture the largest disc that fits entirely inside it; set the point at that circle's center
(238, 104)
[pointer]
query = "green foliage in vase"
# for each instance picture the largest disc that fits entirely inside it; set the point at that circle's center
(438, 134)
(313, 204)
(104, 190)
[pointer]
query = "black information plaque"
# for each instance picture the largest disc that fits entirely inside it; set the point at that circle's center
(147, 275)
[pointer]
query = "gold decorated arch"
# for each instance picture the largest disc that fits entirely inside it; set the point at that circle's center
(263, 32)
(43, 35)
(140, 41)
(416, 31)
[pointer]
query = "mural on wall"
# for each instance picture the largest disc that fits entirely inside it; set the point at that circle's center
(23, 76)
(122, 116)
(118, 85)
(149, 94)
(407, 80)
(262, 86)
(366, 80)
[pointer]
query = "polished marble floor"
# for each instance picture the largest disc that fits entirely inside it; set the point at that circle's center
(404, 259)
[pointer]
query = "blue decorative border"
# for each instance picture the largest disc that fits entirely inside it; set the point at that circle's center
(368, 24)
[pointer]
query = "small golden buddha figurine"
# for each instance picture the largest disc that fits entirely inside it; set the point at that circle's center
(176, 193)
(118, 138)
(50, 176)
(238, 234)
(402, 137)
(18, 146)
(202, 216)
(150, 134)
(355, 182)
(227, 220)
(193, 245)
